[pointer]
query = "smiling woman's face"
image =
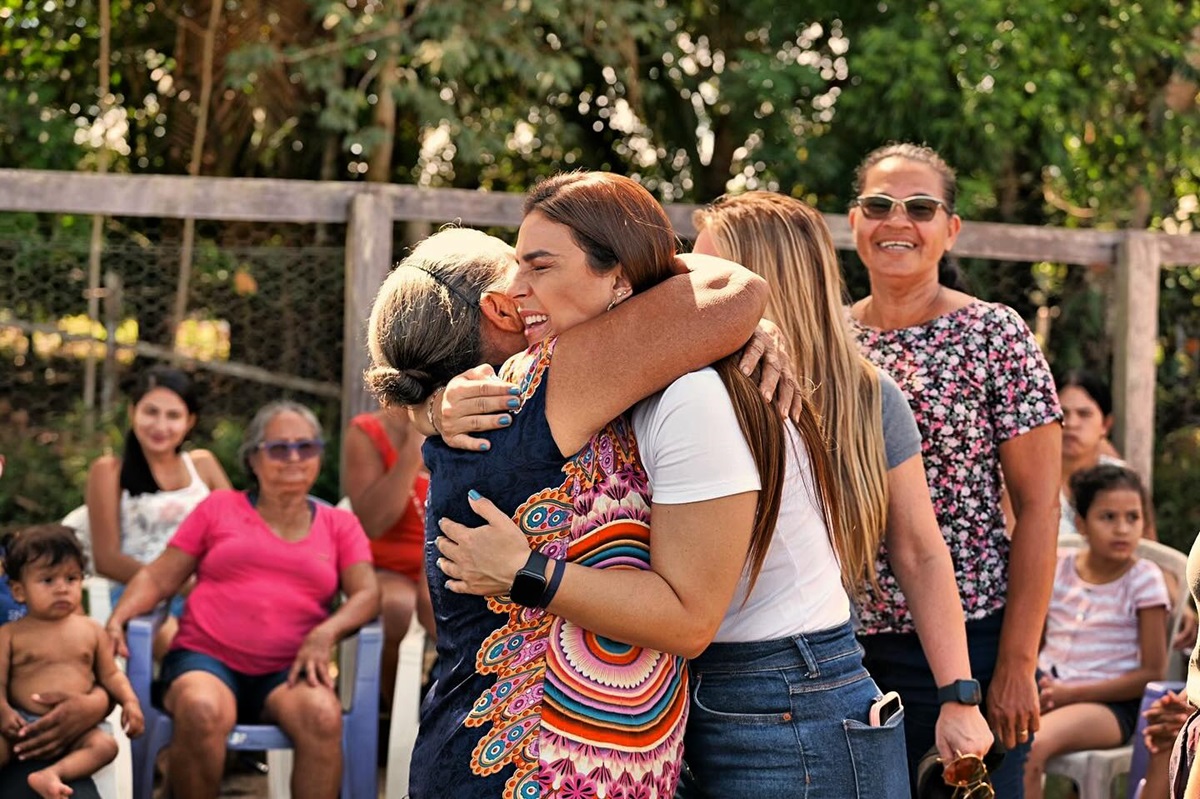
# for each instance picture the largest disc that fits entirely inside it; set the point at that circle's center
(896, 247)
(553, 284)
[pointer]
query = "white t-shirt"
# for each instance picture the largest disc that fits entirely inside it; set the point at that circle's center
(693, 450)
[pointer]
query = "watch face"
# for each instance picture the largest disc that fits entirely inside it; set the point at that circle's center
(527, 588)
(963, 691)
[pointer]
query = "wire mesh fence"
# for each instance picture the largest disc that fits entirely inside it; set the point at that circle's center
(258, 316)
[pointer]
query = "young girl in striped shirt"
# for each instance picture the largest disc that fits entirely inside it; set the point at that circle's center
(1106, 630)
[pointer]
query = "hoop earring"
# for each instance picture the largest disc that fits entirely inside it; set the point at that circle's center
(617, 299)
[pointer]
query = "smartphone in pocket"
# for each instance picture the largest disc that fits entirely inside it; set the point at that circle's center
(883, 708)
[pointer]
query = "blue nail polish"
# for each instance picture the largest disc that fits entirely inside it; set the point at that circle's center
(484, 447)
(504, 421)
(473, 494)
(514, 403)
(514, 390)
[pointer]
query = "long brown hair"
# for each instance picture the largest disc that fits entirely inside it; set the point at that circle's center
(788, 243)
(615, 221)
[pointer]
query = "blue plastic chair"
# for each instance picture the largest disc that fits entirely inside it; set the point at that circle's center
(359, 724)
(1140, 759)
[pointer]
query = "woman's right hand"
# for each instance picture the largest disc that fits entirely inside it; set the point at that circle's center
(961, 730)
(115, 629)
(481, 560)
(474, 401)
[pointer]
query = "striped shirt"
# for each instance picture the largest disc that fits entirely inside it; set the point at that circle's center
(1092, 630)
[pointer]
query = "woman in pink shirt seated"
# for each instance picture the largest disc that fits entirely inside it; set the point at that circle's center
(257, 635)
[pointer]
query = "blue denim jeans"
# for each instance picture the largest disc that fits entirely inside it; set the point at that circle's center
(788, 718)
(897, 662)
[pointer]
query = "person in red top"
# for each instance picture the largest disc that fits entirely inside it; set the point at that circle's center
(386, 483)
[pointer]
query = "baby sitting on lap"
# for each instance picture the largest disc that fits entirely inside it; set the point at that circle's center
(53, 648)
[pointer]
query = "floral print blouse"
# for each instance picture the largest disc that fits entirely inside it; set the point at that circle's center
(975, 378)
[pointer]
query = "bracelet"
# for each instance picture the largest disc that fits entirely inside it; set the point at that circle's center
(437, 392)
(560, 567)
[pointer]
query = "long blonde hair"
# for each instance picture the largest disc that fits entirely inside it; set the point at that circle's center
(788, 243)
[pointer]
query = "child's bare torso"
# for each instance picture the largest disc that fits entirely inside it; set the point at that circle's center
(49, 656)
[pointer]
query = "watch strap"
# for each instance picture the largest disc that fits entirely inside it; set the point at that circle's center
(552, 587)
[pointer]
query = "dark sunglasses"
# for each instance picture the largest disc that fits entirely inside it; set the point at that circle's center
(920, 208)
(283, 450)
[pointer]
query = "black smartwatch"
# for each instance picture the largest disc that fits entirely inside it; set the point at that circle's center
(530, 583)
(965, 692)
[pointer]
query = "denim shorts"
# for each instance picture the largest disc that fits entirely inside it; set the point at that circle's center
(788, 718)
(250, 690)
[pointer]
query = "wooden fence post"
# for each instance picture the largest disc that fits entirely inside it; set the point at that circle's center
(1135, 351)
(368, 259)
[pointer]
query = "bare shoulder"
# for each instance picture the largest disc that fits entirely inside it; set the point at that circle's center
(106, 466)
(81, 631)
(7, 631)
(79, 624)
(209, 468)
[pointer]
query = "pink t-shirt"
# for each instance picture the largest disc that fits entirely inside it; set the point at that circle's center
(256, 595)
(1092, 630)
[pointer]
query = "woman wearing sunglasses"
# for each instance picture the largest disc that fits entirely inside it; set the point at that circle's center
(257, 636)
(985, 404)
(137, 501)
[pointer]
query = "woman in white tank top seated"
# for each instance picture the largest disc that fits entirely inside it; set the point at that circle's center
(137, 501)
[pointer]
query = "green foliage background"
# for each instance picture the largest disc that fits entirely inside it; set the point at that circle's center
(1065, 113)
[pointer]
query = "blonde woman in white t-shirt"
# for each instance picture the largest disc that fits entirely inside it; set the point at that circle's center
(136, 502)
(1106, 630)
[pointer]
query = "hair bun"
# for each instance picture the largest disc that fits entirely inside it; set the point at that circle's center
(392, 386)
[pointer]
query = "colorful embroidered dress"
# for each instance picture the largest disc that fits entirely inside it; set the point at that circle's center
(525, 704)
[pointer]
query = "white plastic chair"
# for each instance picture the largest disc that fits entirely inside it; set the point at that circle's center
(116, 779)
(406, 711)
(1094, 770)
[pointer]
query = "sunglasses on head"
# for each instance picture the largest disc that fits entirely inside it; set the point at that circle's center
(283, 450)
(920, 208)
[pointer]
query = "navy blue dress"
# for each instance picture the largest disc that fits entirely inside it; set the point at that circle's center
(525, 704)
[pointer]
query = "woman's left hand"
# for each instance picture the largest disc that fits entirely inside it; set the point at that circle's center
(962, 729)
(313, 659)
(472, 402)
(482, 560)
